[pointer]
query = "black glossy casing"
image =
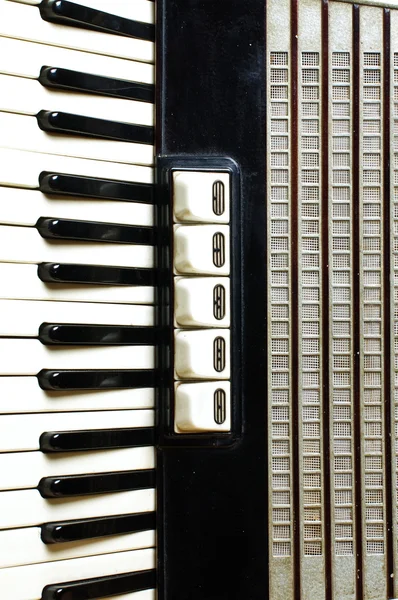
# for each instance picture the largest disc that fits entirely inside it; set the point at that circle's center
(212, 499)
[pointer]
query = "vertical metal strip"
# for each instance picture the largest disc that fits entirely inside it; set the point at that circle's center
(393, 250)
(342, 466)
(281, 425)
(311, 418)
(295, 295)
(356, 294)
(388, 432)
(325, 301)
(371, 208)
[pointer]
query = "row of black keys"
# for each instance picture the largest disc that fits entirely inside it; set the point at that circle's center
(73, 14)
(74, 185)
(58, 442)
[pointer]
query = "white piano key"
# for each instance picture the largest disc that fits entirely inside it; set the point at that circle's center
(28, 357)
(26, 508)
(144, 595)
(22, 168)
(27, 582)
(19, 318)
(23, 395)
(27, 97)
(23, 470)
(20, 281)
(24, 546)
(25, 245)
(20, 206)
(21, 433)
(24, 22)
(22, 132)
(139, 10)
(19, 57)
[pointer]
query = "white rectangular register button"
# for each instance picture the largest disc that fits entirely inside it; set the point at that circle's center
(202, 301)
(201, 249)
(201, 197)
(202, 407)
(202, 354)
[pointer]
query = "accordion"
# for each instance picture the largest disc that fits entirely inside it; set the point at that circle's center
(199, 299)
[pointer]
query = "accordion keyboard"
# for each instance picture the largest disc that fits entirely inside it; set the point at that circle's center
(77, 335)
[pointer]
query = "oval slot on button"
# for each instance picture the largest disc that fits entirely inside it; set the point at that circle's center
(219, 302)
(219, 354)
(218, 249)
(218, 198)
(220, 401)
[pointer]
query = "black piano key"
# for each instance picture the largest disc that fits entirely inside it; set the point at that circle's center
(61, 122)
(96, 439)
(97, 335)
(101, 587)
(97, 274)
(67, 380)
(69, 13)
(84, 529)
(92, 187)
(68, 229)
(99, 483)
(66, 79)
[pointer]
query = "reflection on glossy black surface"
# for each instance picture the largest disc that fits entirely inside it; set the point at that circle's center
(83, 529)
(55, 77)
(72, 273)
(69, 13)
(61, 122)
(101, 587)
(68, 229)
(96, 439)
(92, 335)
(64, 380)
(92, 187)
(99, 483)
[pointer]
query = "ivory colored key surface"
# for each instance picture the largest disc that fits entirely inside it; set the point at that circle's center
(25, 245)
(27, 582)
(202, 407)
(22, 433)
(22, 281)
(24, 546)
(202, 354)
(201, 197)
(144, 595)
(23, 470)
(23, 395)
(139, 10)
(28, 357)
(22, 168)
(24, 22)
(22, 133)
(201, 249)
(26, 508)
(23, 207)
(27, 97)
(19, 57)
(23, 318)
(202, 301)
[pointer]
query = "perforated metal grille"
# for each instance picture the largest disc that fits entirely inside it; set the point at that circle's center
(309, 305)
(371, 296)
(340, 230)
(278, 298)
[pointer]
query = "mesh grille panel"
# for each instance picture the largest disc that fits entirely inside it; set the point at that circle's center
(278, 294)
